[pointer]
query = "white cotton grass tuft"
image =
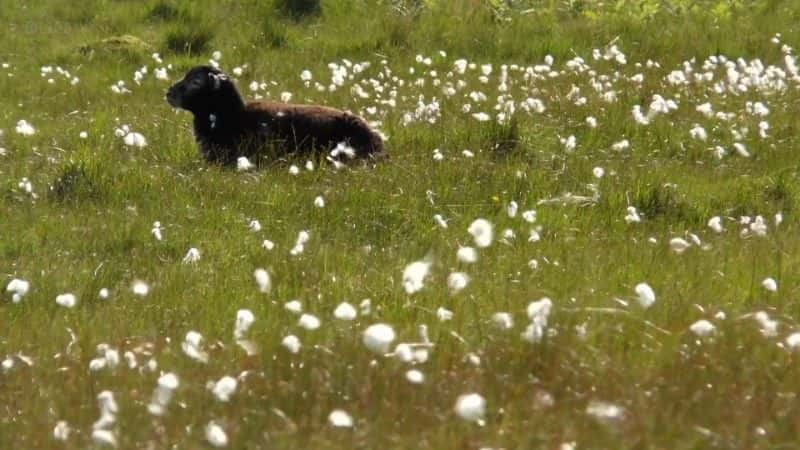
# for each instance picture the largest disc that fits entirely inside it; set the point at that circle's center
(512, 209)
(291, 343)
(702, 328)
(18, 289)
(162, 394)
(793, 340)
(645, 295)
(605, 411)
(467, 255)
(263, 280)
(299, 246)
(61, 431)
(319, 202)
(66, 300)
(24, 128)
(339, 418)
(192, 256)
(243, 164)
(414, 276)
(134, 139)
(598, 172)
(224, 388)
(471, 407)
(309, 322)
(345, 311)
(140, 288)
(440, 220)
(715, 223)
(293, 306)
(482, 232)
(457, 281)
(254, 226)
(104, 437)
(192, 346)
(444, 314)
(503, 320)
(770, 284)
(215, 435)
(244, 320)
(108, 411)
(679, 245)
(414, 376)
(378, 338)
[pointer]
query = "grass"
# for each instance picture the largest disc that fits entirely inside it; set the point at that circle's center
(87, 225)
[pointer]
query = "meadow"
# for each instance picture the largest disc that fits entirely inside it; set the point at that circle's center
(584, 237)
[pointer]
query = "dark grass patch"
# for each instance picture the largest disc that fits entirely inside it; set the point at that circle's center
(76, 181)
(189, 40)
(299, 9)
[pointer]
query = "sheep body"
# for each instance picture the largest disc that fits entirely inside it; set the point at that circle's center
(226, 127)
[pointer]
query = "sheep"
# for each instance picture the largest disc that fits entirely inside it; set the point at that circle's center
(226, 128)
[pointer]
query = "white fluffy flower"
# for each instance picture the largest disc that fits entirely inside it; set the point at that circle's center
(308, 322)
(414, 376)
(471, 407)
(134, 139)
(377, 338)
(482, 231)
(61, 431)
(215, 435)
(457, 281)
(192, 256)
(291, 343)
(340, 419)
(503, 320)
(243, 164)
(770, 284)
(467, 255)
(702, 328)
(679, 245)
(645, 295)
(414, 276)
(140, 288)
(24, 128)
(66, 300)
(345, 311)
(192, 346)
(263, 280)
(18, 288)
(224, 388)
(244, 320)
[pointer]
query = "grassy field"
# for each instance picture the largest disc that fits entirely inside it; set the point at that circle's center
(619, 129)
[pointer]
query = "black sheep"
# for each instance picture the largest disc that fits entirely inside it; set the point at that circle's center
(227, 128)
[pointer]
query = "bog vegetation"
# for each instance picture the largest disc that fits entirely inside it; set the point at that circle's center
(585, 236)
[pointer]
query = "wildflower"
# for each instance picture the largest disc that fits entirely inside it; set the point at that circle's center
(263, 280)
(414, 275)
(309, 322)
(162, 394)
(18, 289)
(319, 202)
(503, 320)
(156, 231)
(512, 208)
(108, 410)
(598, 172)
(741, 150)
(467, 255)
(415, 376)
(702, 328)
(605, 411)
(140, 288)
(770, 284)
(192, 347)
(621, 145)
(471, 407)
(61, 431)
(83, 135)
(254, 225)
(267, 244)
(192, 256)
(66, 300)
(679, 245)
(569, 143)
(793, 340)
(633, 215)
(645, 295)
(591, 122)
(104, 437)
(294, 170)
(340, 419)
(244, 320)
(715, 223)
(377, 338)
(345, 311)
(440, 221)
(243, 164)
(291, 343)
(293, 306)
(481, 116)
(482, 231)
(224, 388)
(134, 139)
(457, 281)
(299, 246)
(215, 435)
(25, 129)
(444, 314)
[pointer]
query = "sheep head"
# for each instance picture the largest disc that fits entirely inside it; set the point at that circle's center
(204, 89)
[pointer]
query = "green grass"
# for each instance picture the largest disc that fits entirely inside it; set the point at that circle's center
(88, 227)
